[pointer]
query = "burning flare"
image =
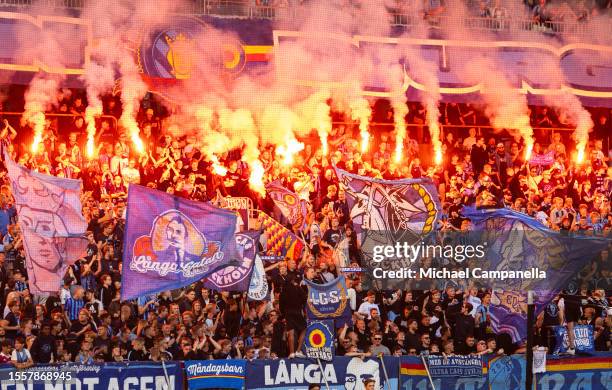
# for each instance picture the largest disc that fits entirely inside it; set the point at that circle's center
(90, 114)
(361, 111)
(38, 122)
(434, 130)
(288, 152)
(438, 157)
(528, 149)
(218, 169)
(128, 121)
(324, 144)
(256, 182)
(400, 111)
(580, 154)
(323, 123)
(365, 138)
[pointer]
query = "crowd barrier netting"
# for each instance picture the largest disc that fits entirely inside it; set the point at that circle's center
(593, 372)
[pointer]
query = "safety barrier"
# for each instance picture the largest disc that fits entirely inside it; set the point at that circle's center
(269, 9)
(417, 131)
(17, 115)
(342, 373)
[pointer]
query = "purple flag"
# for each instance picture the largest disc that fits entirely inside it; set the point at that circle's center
(236, 277)
(292, 207)
(171, 242)
(53, 227)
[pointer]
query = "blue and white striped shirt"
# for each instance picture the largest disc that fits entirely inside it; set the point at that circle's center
(72, 308)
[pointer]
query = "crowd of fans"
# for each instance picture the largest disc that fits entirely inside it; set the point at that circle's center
(87, 322)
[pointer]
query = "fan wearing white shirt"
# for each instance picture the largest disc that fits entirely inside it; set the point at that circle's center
(366, 307)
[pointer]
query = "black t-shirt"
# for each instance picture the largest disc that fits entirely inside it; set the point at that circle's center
(12, 321)
(53, 302)
(137, 356)
(43, 349)
(94, 308)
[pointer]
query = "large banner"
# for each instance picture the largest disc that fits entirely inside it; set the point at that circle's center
(413, 375)
(584, 373)
(562, 373)
(508, 373)
(236, 277)
(107, 376)
(515, 242)
(167, 56)
(171, 242)
(583, 338)
(52, 224)
(344, 373)
(215, 374)
(454, 366)
(329, 301)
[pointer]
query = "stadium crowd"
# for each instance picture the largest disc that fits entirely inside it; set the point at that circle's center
(87, 322)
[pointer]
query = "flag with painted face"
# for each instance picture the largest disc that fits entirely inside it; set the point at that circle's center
(53, 227)
(171, 242)
(516, 242)
(292, 207)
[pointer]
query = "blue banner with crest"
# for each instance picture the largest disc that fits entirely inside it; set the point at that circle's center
(329, 301)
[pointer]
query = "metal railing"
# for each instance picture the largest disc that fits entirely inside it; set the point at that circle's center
(18, 115)
(420, 131)
(407, 19)
(252, 9)
(72, 4)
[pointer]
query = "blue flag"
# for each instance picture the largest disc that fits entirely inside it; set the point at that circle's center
(583, 338)
(517, 242)
(215, 374)
(329, 301)
(319, 340)
(292, 207)
(171, 242)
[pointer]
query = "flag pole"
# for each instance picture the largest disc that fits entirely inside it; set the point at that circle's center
(427, 371)
(166, 374)
(529, 352)
(382, 362)
(322, 374)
